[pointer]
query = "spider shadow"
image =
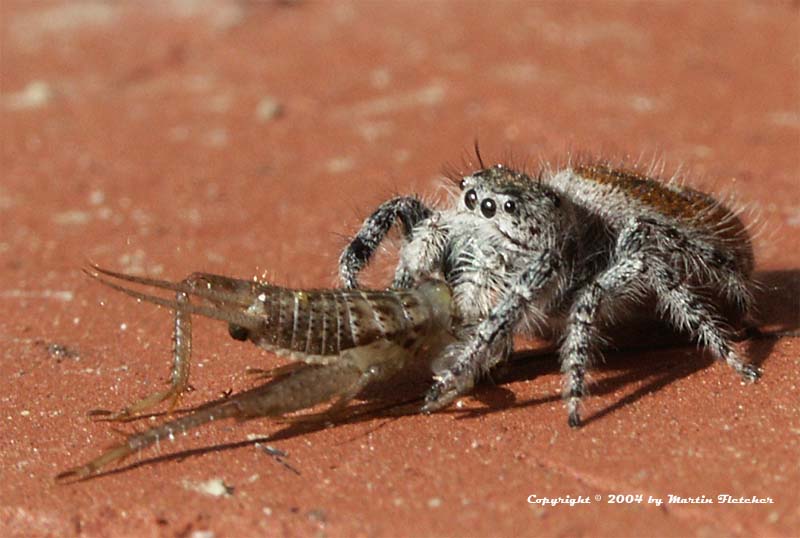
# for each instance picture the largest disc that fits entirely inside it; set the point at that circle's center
(653, 372)
(779, 296)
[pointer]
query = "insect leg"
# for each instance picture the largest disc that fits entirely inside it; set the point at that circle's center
(305, 387)
(228, 297)
(408, 209)
(179, 375)
(377, 362)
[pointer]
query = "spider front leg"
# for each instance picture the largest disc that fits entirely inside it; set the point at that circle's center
(408, 209)
(490, 341)
(423, 254)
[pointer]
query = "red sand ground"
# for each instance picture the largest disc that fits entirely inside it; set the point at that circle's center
(243, 137)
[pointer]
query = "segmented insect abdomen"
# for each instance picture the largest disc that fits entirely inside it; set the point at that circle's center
(323, 323)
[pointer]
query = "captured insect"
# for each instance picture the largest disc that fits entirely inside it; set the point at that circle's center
(557, 253)
(342, 340)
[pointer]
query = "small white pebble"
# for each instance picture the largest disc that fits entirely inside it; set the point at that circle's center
(268, 109)
(434, 502)
(96, 197)
(338, 165)
(36, 94)
(214, 487)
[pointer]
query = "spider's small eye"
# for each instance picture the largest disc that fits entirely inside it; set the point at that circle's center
(510, 206)
(488, 208)
(471, 199)
(462, 183)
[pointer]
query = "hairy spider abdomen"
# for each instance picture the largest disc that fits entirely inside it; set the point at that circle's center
(694, 209)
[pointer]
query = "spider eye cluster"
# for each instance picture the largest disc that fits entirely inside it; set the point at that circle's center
(488, 205)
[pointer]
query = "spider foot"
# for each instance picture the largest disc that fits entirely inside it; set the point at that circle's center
(574, 419)
(446, 388)
(749, 372)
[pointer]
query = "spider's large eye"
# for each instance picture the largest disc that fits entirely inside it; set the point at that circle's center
(488, 208)
(471, 199)
(510, 207)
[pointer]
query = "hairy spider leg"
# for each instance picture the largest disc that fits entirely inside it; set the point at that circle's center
(636, 267)
(491, 341)
(408, 209)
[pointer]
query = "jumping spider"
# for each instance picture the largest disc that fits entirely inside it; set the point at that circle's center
(559, 253)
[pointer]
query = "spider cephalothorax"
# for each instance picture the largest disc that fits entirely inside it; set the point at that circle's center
(559, 253)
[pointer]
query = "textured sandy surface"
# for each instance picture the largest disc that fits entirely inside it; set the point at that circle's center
(243, 138)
